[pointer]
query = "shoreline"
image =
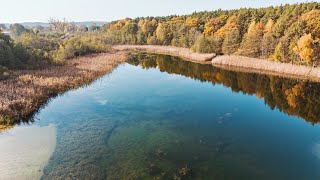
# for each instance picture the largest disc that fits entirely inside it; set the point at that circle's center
(263, 66)
(24, 93)
(183, 53)
(264, 72)
(234, 63)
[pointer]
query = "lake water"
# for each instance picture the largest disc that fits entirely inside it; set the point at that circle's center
(159, 117)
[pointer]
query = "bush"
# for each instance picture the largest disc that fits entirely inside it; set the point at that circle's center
(36, 50)
(8, 52)
(82, 44)
(6, 55)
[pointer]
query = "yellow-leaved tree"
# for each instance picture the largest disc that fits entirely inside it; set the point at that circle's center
(305, 49)
(214, 24)
(192, 22)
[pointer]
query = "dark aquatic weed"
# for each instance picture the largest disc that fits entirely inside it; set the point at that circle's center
(160, 154)
(153, 170)
(183, 173)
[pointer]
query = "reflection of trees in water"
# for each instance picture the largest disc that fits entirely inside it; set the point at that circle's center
(295, 97)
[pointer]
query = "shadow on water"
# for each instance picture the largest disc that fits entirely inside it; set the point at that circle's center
(295, 97)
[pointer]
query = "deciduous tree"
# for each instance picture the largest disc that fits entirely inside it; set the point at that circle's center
(305, 49)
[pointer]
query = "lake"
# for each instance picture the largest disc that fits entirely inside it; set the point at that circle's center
(157, 117)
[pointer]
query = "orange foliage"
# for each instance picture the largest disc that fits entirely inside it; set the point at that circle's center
(214, 25)
(312, 19)
(230, 25)
(192, 22)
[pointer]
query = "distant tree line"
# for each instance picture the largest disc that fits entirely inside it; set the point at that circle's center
(39, 46)
(289, 33)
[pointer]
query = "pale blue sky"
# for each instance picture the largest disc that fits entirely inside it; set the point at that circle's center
(107, 10)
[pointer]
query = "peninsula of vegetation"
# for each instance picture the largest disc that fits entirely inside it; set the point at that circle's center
(24, 92)
(39, 62)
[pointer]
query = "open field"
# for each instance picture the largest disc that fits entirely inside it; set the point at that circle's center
(23, 93)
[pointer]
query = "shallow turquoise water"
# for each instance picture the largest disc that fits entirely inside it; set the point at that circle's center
(159, 117)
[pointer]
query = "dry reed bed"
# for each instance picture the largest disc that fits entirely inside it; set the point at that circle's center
(265, 66)
(184, 53)
(23, 94)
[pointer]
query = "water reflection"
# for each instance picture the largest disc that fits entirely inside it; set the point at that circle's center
(295, 97)
(141, 123)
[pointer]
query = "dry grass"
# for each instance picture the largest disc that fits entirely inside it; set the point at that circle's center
(24, 93)
(184, 53)
(265, 66)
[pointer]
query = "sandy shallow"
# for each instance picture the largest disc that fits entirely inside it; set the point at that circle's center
(25, 151)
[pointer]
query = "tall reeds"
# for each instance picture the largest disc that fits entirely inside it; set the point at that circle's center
(169, 50)
(23, 93)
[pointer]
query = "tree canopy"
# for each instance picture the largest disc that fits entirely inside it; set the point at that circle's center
(278, 33)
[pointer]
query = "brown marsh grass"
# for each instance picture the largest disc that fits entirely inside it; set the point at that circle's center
(267, 66)
(184, 53)
(22, 94)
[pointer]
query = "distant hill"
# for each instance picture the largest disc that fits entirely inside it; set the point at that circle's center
(34, 24)
(88, 23)
(6, 24)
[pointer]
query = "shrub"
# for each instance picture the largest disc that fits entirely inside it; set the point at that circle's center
(82, 44)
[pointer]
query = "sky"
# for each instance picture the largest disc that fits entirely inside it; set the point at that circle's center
(15, 11)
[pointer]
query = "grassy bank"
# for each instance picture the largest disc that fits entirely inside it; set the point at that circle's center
(238, 63)
(184, 53)
(25, 91)
(267, 67)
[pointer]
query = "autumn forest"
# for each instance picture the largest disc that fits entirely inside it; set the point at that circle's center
(288, 33)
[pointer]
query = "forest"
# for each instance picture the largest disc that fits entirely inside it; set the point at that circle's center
(288, 33)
